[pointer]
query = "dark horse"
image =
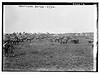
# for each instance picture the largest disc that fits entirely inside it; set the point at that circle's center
(76, 41)
(8, 49)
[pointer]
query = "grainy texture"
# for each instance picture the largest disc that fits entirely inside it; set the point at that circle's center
(50, 56)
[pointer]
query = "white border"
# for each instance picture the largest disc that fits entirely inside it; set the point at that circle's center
(44, 1)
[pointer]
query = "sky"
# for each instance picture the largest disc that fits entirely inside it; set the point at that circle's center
(60, 19)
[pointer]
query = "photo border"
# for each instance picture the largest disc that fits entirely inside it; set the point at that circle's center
(54, 3)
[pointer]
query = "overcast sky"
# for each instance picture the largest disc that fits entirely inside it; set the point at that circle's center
(61, 19)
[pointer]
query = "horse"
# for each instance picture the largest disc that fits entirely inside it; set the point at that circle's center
(8, 49)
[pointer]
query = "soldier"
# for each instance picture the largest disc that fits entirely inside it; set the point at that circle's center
(8, 48)
(64, 41)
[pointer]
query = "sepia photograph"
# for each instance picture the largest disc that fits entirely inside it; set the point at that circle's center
(49, 37)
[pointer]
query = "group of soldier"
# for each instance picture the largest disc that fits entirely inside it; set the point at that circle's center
(9, 42)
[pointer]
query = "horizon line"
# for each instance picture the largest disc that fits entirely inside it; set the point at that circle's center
(47, 32)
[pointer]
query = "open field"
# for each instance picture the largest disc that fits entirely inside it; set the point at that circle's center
(49, 56)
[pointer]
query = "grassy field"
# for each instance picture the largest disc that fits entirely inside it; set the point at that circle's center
(49, 56)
